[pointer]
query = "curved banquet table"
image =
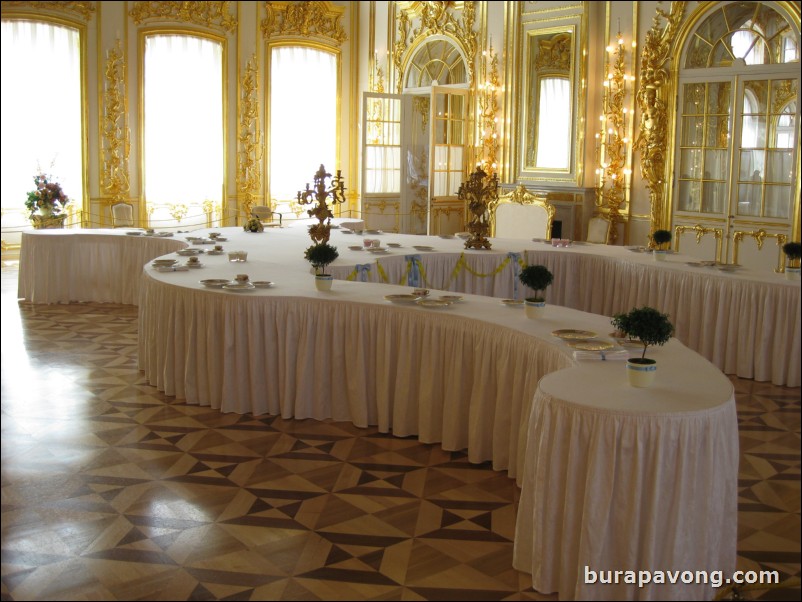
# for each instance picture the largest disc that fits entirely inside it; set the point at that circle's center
(611, 476)
(100, 265)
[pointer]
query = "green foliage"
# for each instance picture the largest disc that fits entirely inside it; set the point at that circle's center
(47, 194)
(321, 255)
(536, 277)
(645, 324)
(793, 250)
(661, 237)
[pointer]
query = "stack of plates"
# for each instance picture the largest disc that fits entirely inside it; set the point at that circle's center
(571, 334)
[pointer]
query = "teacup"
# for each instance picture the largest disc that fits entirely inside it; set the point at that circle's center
(376, 244)
(213, 235)
(150, 231)
(193, 259)
(421, 292)
(367, 242)
(218, 247)
(555, 242)
(242, 278)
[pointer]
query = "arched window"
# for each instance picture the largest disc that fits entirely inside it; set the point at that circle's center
(183, 123)
(41, 110)
(303, 117)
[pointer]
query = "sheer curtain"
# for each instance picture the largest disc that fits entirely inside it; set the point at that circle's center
(554, 122)
(41, 110)
(303, 118)
(183, 78)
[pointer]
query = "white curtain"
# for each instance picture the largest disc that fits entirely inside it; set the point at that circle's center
(41, 110)
(303, 118)
(183, 121)
(554, 123)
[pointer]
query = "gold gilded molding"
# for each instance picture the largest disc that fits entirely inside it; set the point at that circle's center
(435, 19)
(760, 237)
(307, 19)
(554, 54)
(700, 231)
(84, 10)
(249, 138)
(116, 141)
(653, 103)
(521, 196)
(215, 15)
(488, 111)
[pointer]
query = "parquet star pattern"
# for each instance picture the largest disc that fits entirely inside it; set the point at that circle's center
(114, 491)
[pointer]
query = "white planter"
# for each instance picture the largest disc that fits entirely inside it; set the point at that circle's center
(641, 372)
(323, 283)
(792, 273)
(535, 309)
(659, 255)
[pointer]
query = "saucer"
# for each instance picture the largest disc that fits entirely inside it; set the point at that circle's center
(423, 248)
(263, 283)
(591, 345)
(355, 248)
(568, 334)
(187, 252)
(213, 252)
(164, 262)
(194, 265)
(214, 282)
(394, 245)
(239, 287)
(433, 303)
(220, 239)
(401, 298)
(512, 302)
(134, 233)
(450, 298)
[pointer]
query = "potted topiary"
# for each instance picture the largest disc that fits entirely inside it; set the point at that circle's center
(649, 327)
(536, 277)
(320, 255)
(793, 251)
(660, 239)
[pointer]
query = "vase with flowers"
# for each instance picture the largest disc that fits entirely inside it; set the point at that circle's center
(48, 199)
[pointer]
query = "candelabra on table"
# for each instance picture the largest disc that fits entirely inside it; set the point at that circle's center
(318, 194)
(479, 194)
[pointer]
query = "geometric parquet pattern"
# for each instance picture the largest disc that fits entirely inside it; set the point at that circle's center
(113, 491)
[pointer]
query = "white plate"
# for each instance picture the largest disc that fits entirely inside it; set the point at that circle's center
(512, 302)
(188, 252)
(450, 298)
(213, 252)
(215, 282)
(394, 245)
(240, 288)
(401, 298)
(220, 239)
(194, 265)
(134, 233)
(355, 248)
(423, 248)
(164, 262)
(433, 303)
(377, 250)
(263, 283)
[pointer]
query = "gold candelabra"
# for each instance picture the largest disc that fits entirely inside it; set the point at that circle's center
(479, 191)
(488, 107)
(319, 193)
(612, 141)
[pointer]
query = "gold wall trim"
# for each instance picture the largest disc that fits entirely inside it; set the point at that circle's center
(215, 15)
(84, 10)
(488, 111)
(760, 237)
(250, 145)
(435, 19)
(306, 19)
(116, 136)
(654, 100)
(700, 231)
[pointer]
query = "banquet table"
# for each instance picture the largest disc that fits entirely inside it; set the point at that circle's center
(481, 377)
(100, 265)
(747, 322)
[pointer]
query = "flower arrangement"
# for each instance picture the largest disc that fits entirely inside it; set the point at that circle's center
(48, 196)
(254, 224)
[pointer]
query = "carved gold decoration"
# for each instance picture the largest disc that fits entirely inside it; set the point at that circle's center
(479, 191)
(421, 104)
(700, 231)
(307, 19)
(612, 173)
(84, 10)
(116, 136)
(488, 111)
(760, 237)
(783, 93)
(319, 194)
(435, 19)
(46, 222)
(653, 103)
(376, 83)
(554, 54)
(209, 14)
(249, 139)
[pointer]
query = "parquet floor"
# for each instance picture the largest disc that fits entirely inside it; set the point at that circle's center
(113, 491)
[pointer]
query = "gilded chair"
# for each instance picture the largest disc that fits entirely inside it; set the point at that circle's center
(265, 214)
(598, 230)
(521, 214)
(698, 241)
(759, 250)
(122, 215)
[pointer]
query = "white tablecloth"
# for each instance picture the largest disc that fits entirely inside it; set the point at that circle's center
(100, 265)
(467, 377)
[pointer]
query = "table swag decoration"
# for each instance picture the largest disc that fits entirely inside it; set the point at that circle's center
(319, 194)
(479, 194)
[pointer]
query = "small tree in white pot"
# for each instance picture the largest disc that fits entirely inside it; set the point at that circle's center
(793, 251)
(649, 327)
(661, 238)
(321, 255)
(538, 278)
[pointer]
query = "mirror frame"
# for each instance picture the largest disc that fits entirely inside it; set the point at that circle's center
(527, 95)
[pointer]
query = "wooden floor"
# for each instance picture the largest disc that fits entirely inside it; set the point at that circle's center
(113, 491)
